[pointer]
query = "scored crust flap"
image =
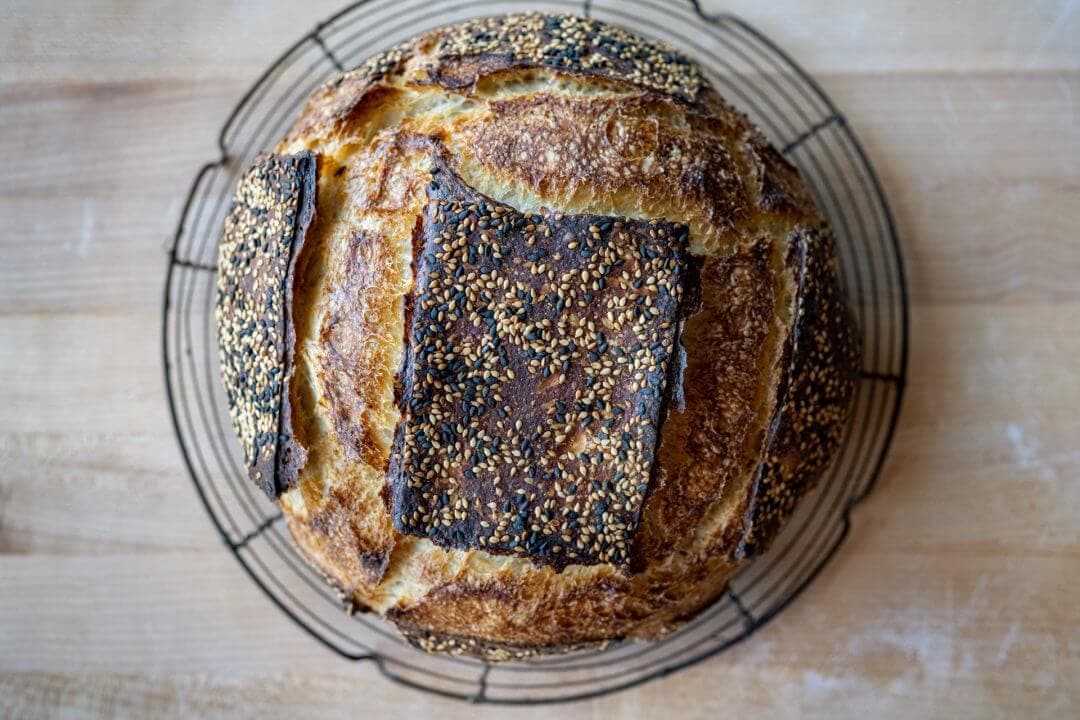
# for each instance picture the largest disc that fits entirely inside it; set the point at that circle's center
(581, 46)
(273, 207)
(458, 57)
(819, 364)
(541, 354)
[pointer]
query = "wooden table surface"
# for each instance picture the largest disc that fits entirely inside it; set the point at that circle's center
(958, 591)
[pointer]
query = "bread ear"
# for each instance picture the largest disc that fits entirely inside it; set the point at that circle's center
(272, 209)
(818, 366)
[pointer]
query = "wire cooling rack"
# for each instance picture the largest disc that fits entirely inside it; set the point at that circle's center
(786, 103)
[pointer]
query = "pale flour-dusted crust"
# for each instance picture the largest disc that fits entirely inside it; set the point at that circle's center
(527, 111)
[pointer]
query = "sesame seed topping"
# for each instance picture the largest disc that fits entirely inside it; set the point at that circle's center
(562, 42)
(271, 209)
(824, 356)
(580, 387)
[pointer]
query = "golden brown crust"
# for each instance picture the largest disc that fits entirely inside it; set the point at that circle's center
(459, 56)
(822, 354)
(769, 356)
(707, 446)
(611, 151)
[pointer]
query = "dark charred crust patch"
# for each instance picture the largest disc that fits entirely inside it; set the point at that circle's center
(820, 361)
(271, 211)
(540, 358)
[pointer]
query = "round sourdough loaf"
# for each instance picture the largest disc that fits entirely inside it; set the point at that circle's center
(532, 337)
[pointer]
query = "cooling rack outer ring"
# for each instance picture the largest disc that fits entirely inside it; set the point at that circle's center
(760, 79)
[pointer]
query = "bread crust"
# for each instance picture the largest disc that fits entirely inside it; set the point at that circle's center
(770, 354)
(264, 231)
(542, 351)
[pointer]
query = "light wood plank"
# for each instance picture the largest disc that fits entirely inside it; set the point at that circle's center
(75, 491)
(981, 171)
(150, 135)
(975, 641)
(82, 373)
(105, 39)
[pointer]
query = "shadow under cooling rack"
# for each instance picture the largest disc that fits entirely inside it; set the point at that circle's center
(750, 72)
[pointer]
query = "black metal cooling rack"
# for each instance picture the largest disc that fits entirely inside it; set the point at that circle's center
(786, 103)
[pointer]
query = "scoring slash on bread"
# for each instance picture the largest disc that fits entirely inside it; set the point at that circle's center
(533, 338)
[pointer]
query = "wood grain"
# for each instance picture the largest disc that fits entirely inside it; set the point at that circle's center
(107, 40)
(955, 595)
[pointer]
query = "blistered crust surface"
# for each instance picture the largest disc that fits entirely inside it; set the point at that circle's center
(534, 136)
